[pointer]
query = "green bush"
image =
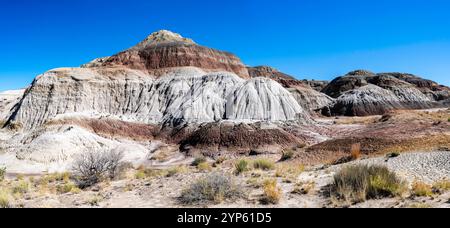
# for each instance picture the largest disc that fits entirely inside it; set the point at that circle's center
(241, 166)
(361, 182)
(214, 188)
(263, 164)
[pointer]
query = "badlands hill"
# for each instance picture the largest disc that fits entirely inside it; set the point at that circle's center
(169, 92)
(363, 93)
(165, 88)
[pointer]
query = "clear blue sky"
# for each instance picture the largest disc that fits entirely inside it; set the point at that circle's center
(307, 38)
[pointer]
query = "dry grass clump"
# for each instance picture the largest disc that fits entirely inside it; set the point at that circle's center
(272, 193)
(198, 160)
(241, 166)
(175, 170)
(204, 167)
(21, 187)
(5, 198)
(68, 187)
(143, 173)
(289, 171)
(355, 151)
(421, 189)
(355, 184)
(214, 188)
(442, 186)
(419, 206)
(304, 188)
(263, 164)
(2, 173)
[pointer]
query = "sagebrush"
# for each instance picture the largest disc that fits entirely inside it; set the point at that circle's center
(361, 182)
(213, 188)
(93, 167)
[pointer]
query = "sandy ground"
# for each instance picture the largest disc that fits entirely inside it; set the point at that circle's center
(163, 192)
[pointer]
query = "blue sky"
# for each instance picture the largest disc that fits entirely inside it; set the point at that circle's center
(317, 39)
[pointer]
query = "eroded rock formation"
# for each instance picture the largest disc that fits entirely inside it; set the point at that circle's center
(362, 93)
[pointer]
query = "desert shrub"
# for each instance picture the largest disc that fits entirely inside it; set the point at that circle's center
(174, 171)
(304, 188)
(360, 182)
(287, 155)
(212, 188)
(92, 168)
(140, 174)
(5, 199)
(67, 187)
(263, 164)
(21, 187)
(441, 186)
(2, 173)
(241, 166)
(355, 151)
(272, 193)
(95, 200)
(204, 167)
(421, 189)
(448, 120)
(198, 160)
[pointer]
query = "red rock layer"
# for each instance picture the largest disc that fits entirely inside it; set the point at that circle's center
(178, 55)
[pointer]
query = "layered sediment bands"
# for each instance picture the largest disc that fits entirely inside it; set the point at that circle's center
(431, 88)
(165, 49)
(266, 100)
(240, 138)
(362, 93)
(310, 99)
(268, 72)
(374, 100)
(110, 128)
